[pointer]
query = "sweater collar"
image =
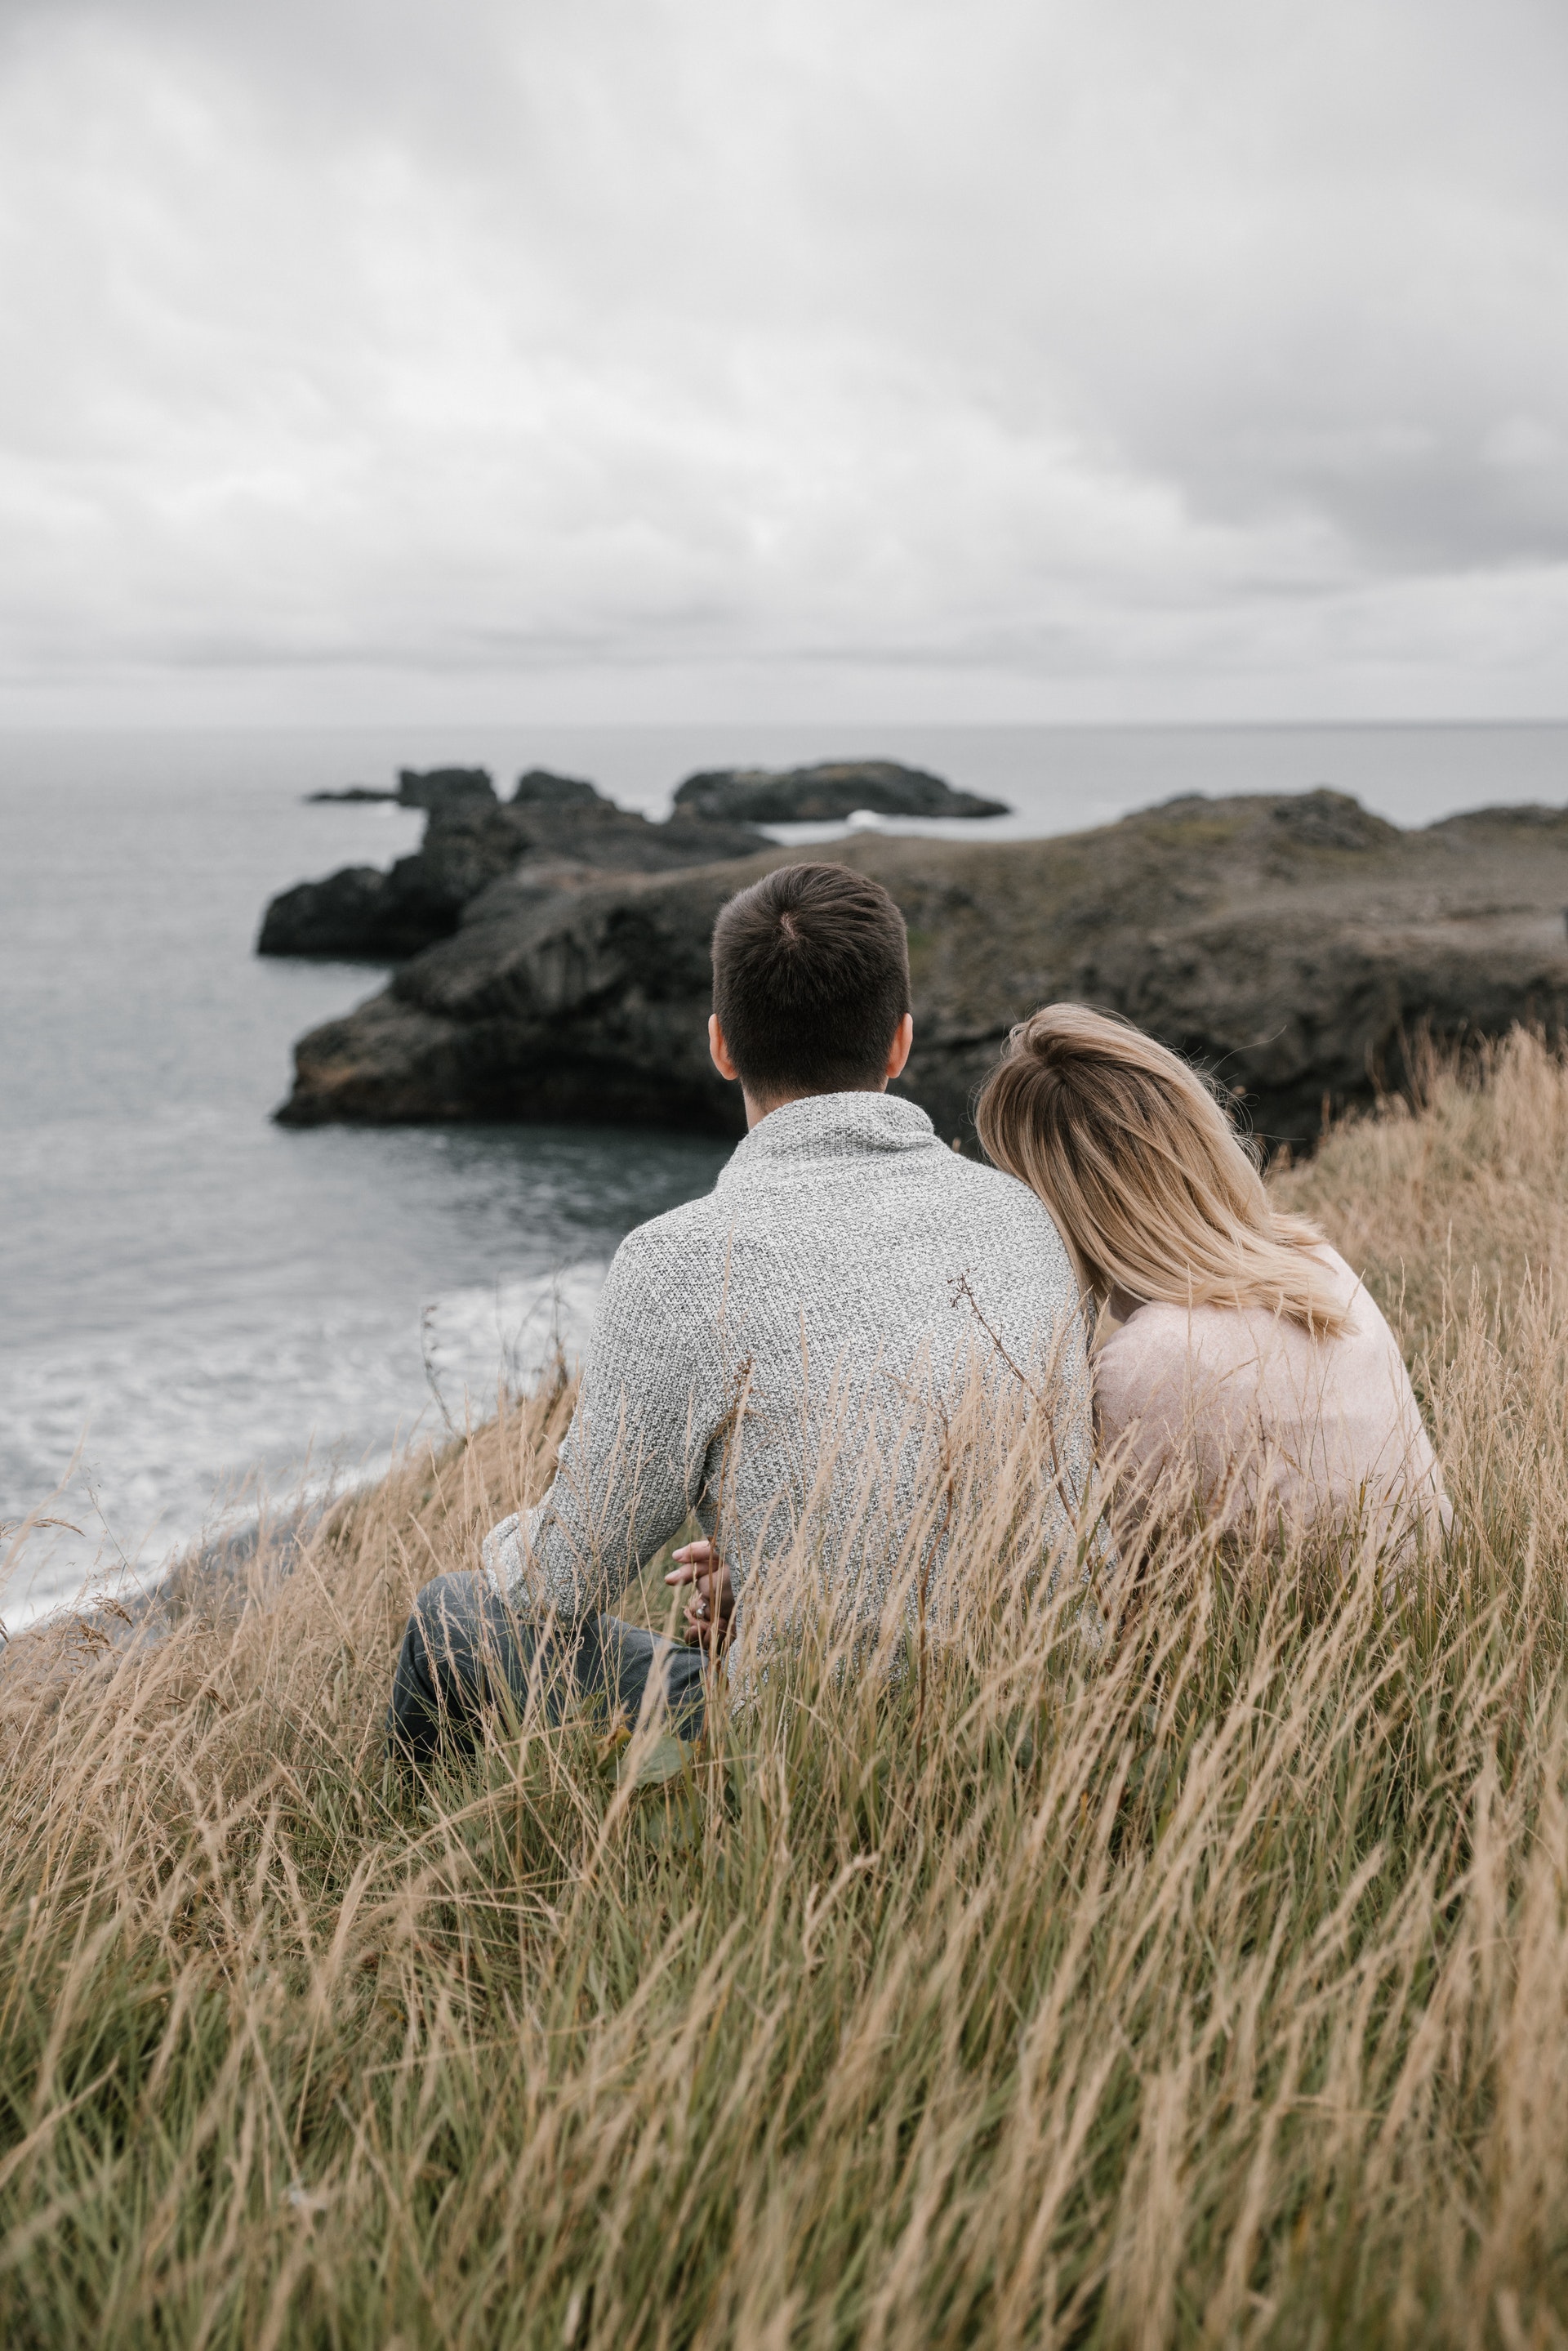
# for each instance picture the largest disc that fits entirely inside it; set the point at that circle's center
(832, 1127)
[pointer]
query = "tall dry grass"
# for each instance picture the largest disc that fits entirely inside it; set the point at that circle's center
(1208, 1986)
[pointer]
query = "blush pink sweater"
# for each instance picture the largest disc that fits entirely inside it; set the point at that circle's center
(1241, 1410)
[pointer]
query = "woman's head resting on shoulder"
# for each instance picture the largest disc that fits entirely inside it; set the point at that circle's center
(1145, 1173)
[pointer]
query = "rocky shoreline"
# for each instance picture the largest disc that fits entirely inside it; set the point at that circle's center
(1294, 945)
(561, 832)
(557, 828)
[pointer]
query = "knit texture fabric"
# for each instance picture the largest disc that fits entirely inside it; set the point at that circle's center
(776, 1358)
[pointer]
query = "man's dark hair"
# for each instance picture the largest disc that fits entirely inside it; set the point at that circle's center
(811, 978)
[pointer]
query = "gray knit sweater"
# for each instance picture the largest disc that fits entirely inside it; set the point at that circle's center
(843, 1272)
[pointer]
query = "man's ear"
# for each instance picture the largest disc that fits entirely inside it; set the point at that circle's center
(719, 1052)
(903, 1038)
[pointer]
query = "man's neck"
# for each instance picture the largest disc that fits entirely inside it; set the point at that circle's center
(756, 1111)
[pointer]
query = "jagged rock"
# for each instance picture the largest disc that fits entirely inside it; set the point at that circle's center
(539, 788)
(473, 841)
(587, 1004)
(346, 915)
(827, 793)
(360, 912)
(445, 789)
(1325, 820)
(1293, 946)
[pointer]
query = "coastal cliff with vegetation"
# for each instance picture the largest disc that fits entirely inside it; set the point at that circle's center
(1208, 1983)
(1294, 945)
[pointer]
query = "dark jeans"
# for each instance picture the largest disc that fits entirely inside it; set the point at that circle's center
(465, 1650)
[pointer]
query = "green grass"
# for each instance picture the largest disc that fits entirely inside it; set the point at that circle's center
(1206, 1986)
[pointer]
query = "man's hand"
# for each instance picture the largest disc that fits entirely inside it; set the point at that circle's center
(712, 1608)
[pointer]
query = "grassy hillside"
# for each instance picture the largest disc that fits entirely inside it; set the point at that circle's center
(1208, 1987)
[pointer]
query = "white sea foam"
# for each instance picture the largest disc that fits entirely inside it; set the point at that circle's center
(176, 1444)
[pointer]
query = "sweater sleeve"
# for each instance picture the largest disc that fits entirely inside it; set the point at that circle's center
(633, 1463)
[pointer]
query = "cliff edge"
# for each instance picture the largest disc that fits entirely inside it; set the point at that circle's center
(1292, 944)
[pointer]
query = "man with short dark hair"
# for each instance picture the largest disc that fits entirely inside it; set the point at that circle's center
(753, 1347)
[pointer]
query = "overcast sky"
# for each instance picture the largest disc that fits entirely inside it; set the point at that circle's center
(841, 358)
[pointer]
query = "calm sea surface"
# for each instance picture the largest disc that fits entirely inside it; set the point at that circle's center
(197, 1307)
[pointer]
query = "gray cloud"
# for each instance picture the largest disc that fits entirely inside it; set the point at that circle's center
(1025, 356)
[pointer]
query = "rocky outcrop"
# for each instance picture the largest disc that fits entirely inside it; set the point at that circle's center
(588, 1003)
(441, 790)
(430, 789)
(1291, 944)
(472, 840)
(827, 794)
(539, 788)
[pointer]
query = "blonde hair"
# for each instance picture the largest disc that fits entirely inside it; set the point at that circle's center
(1143, 1172)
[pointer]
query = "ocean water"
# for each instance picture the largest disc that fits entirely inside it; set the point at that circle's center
(199, 1310)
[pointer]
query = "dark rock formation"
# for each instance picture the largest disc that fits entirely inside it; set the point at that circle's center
(827, 794)
(362, 912)
(471, 842)
(538, 788)
(350, 913)
(430, 789)
(442, 791)
(576, 1004)
(1293, 946)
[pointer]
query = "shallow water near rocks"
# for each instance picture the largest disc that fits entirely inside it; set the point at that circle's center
(196, 1306)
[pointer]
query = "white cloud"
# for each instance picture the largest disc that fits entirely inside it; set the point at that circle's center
(852, 354)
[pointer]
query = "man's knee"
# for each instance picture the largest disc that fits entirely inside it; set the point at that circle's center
(632, 1671)
(438, 1681)
(444, 1620)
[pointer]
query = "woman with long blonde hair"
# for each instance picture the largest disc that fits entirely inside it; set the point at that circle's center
(1247, 1367)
